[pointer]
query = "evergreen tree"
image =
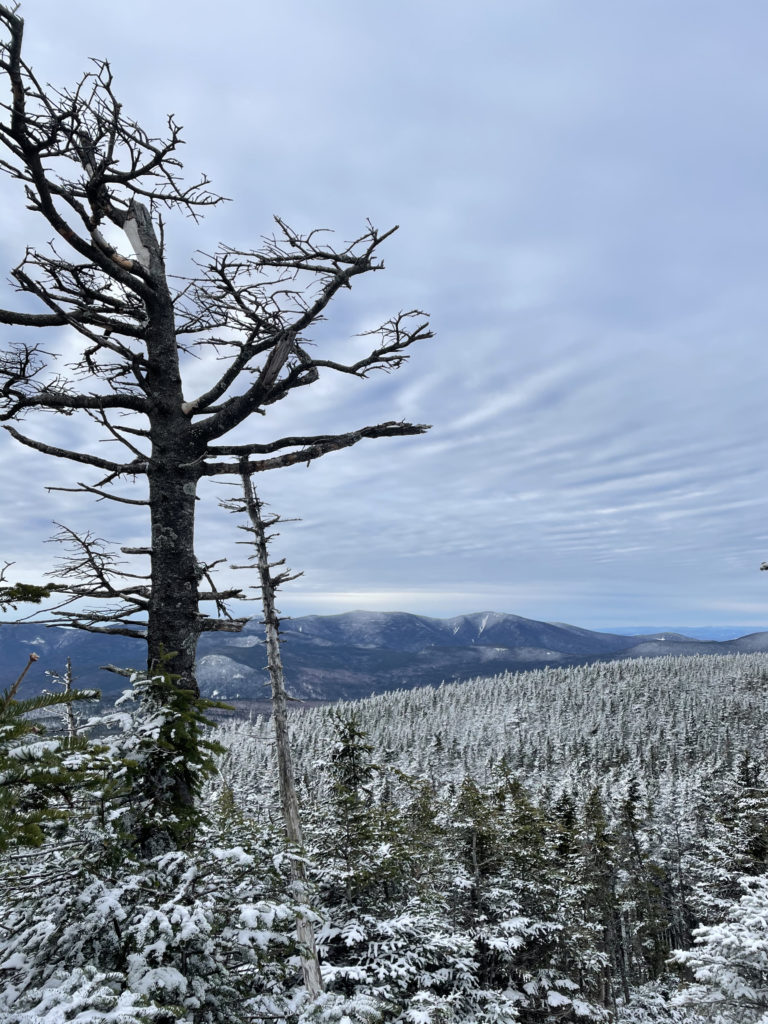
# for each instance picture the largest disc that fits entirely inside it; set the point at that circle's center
(37, 774)
(729, 961)
(95, 928)
(597, 867)
(733, 841)
(645, 917)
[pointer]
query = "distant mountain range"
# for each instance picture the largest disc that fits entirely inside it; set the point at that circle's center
(355, 654)
(694, 632)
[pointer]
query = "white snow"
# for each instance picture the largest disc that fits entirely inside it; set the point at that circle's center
(237, 855)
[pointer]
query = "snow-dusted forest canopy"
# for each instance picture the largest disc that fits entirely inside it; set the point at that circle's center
(564, 845)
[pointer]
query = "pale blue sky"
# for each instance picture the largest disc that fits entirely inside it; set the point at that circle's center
(583, 210)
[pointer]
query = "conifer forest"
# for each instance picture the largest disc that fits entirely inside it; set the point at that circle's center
(571, 844)
(581, 844)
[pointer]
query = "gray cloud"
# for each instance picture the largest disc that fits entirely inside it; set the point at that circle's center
(582, 201)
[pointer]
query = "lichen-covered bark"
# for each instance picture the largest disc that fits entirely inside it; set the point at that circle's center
(173, 621)
(173, 626)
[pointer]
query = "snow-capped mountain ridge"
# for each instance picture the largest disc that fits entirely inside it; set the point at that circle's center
(358, 653)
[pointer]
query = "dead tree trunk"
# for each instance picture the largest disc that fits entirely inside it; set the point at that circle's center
(100, 184)
(173, 622)
(288, 797)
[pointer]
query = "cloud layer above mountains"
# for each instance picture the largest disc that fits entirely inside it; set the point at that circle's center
(581, 194)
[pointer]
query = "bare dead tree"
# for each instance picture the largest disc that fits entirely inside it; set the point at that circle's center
(71, 720)
(92, 174)
(269, 583)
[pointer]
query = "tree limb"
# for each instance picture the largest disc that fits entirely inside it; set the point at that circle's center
(314, 449)
(127, 469)
(17, 319)
(85, 489)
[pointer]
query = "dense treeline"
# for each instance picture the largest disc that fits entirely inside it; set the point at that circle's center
(663, 715)
(533, 847)
(613, 807)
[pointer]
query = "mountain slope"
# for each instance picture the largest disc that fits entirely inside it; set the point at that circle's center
(355, 654)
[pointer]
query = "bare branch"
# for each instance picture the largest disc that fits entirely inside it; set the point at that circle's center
(117, 433)
(86, 168)
(79, 323)
(18, 319)
(396, 334)
(311, 449)
(88, 128)
(209, 625)
(127, 469)
(221, 595)
(87, 626)
(101, 495)
(272, 295)
(20, 388)
(127, 672)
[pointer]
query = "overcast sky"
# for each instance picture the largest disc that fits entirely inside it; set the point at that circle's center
(581, 194)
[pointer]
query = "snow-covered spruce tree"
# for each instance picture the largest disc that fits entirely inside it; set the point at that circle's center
(441, 909)
(734, 839)
(507, 897)
(37, 773)
(389, 951)
(596, 867)
(646, 915)
(578, 951)
(95, 929)
(729, 961)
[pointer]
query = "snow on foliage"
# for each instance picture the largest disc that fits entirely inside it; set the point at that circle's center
(729, 960)
(528, 848)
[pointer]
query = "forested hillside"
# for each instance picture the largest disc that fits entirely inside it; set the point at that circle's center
(580, 844)
(654, 718)
(577, 824)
